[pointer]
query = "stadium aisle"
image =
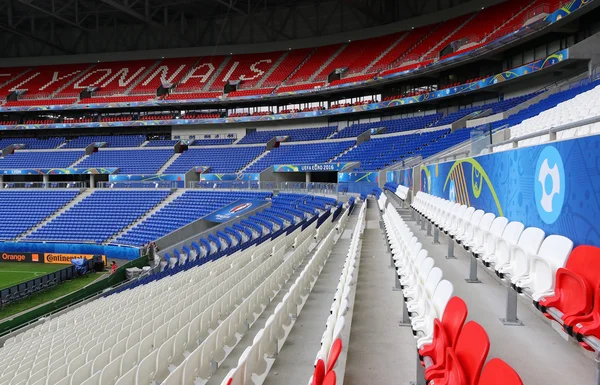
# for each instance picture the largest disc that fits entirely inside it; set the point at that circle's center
(295, 362)
(380, 351)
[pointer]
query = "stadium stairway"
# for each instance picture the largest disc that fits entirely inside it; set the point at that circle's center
(379, 352)
(295, 361)
(563, 363)
(168, 163)
(262, 155)
(66, 207)
(79, 161)
(166, 201)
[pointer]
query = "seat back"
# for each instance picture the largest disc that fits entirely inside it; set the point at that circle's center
(454, 318)
(555, 249)
(531, 239)
(426, 267)
(433, 279)
(486, 221)
(498, 372)
(471, 350)
(442, 294)
(453, 371)
(330, 378)
(584, 261)
(498, 226)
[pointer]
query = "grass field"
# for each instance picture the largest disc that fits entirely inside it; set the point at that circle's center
(12, 273)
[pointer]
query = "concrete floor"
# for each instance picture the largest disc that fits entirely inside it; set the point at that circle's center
(380, 351)
(295, 362)
(538, 353)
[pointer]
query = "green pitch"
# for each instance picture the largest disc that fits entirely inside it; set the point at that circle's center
(12, 273)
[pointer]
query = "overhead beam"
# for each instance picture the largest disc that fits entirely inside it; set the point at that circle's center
(30, 4)
(231, 6)
(131, 12)
(9, 29)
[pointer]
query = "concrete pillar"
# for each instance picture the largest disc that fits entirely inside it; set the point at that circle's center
(46, 181)
(308, 177)
(92, 180)
(1, 181)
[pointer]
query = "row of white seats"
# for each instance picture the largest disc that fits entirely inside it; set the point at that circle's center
(402, 192)
(426, 293)
(331, 342)
(525, 257)
(56, 346)
(256, 361)
(382, 201)
(583, 106)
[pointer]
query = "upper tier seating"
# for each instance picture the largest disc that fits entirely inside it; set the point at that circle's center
(391, 125)
(22, 160)
(249, 68)
(300, 87)
(28, 207)
(117, 99)
(42, 81)
(129, 161)
(33, 143)
(292, 60)
(296, 135)
(100, 215)
(190, 206)
(198, 76)
(250, 92)
(300, 154)
(111, 141)
(221, 160)
(167, 71)
(111, 78)
(315, 61)
(162, 143)
(40, 102)
(407, 42)
(194, 95)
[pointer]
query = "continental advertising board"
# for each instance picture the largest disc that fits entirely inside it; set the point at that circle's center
(65, 259)
(53, 258)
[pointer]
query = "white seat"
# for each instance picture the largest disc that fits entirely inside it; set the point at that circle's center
(510, 236)
(515, 261)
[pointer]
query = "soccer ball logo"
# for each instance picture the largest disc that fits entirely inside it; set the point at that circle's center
(549, 185)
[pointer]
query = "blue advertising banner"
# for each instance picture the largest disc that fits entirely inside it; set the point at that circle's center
(401, 177)
(316, 167)
(62, 171)
(179, 178)
(365, 177)
(234, 210)
(555, 187)
(239, 176)
(111, 251)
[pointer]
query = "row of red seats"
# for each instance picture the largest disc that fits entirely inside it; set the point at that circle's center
(39, 121)
(406, 95)
(8, 122)
(201, 116)
(157, 117)
(262, 113)
(39, 102)
(238, 114)
(194, 95)
(475, 79)
(250, 92)
(78, 120)
(316, 108)
(120, 118)
(289, 111)
(300, 87)
(116, 99)
(449, 86)
(351, 79)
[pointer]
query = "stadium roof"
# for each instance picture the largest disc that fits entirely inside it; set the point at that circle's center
(58, 27)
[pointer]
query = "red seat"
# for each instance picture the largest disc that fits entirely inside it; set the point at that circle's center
(471, 351)
(319, 373)
(575, 286)
(588, 325)
(498, 372)
(334, 353)
(330, 378)
(446, 331)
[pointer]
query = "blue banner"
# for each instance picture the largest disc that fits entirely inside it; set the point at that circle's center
(111, 251)
(62, 171)
(317, 167)
(555, 187)
(364, 177)
(239, 176)
(401, 177)
(233, 210)
(178, 178)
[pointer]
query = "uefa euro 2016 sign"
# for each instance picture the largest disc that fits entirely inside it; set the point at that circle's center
(316, 167)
